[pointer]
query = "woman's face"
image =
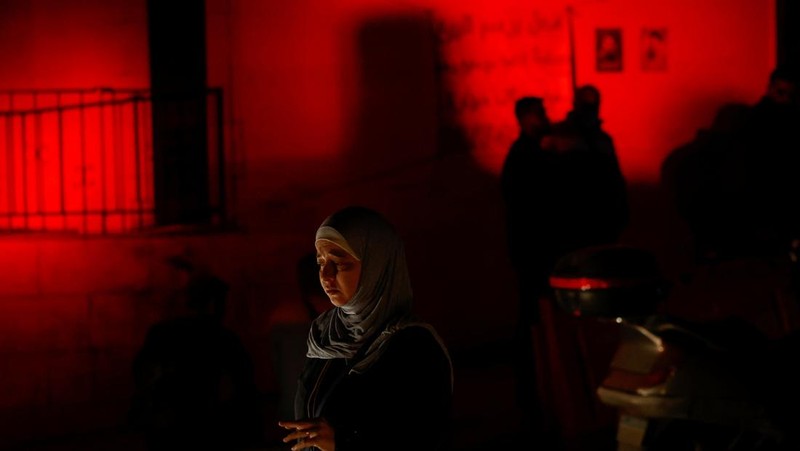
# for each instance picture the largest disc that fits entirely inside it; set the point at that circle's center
(339, 272)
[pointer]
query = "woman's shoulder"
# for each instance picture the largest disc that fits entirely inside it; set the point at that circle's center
(416, 334)
(416, 343)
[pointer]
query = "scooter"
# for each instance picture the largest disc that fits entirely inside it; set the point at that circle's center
(680, 385)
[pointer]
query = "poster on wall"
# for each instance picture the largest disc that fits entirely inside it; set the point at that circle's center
(608, 47)
(654, 49)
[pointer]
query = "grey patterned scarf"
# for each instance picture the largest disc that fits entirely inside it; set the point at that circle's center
(382, 302)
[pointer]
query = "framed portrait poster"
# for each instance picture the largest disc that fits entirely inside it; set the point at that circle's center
(608, 49)
(654, 49)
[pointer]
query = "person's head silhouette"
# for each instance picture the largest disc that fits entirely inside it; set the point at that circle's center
(587, 101)
(531, 116)
(782, 86)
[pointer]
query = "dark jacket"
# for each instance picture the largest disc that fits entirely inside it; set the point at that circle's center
(591, 191)
(402, 402)
(526, 180)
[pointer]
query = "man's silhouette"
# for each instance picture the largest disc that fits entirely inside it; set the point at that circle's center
(591, 191)
(526, 178)
(527, 175)
(735, 184)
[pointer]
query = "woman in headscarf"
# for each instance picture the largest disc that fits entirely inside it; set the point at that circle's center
(375, 377)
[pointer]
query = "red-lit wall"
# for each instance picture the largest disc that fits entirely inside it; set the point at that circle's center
(405, 106)
(301, 65)
(56, 44)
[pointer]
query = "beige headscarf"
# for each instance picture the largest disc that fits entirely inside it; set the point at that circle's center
(382, 302)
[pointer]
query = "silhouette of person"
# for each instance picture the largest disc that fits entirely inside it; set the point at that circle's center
(735, 183)
(710, 187)
(773, 154)
(590, 208)
(527, 175)
(194, 382)
(591, 191)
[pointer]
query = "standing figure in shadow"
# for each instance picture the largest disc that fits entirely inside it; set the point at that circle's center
(772, 154)
(591, 191)
(527, 176)
(736, 183)
(526, 179)
(590, 208)
(563, 190)
(194, 382)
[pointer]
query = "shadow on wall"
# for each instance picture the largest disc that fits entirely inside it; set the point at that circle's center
(410, 159)
(401, 116)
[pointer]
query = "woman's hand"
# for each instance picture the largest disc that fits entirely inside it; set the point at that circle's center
(316, 433)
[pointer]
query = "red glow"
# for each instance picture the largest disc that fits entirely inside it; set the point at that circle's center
(593, 283)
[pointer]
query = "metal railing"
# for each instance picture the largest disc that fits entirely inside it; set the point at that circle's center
(81, 160)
